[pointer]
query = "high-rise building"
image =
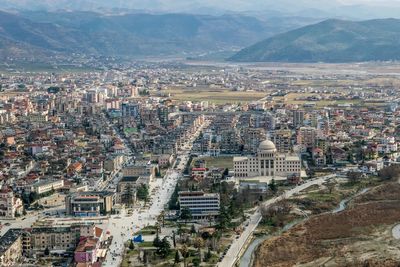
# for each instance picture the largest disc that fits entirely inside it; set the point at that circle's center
(283, 140)
(298, 118)
(307, 136)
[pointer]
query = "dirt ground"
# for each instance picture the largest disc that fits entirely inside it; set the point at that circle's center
(359, 236)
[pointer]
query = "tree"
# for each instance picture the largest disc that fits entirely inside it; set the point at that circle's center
(143, 192)
(47, 251)
(177, 258)
(131, 245)
(272, 186)
(193, 229)
(389, 173)
(210, 220)
(173, 239)
(208, 255)
(145, 256)
(354, 177)
(156, 241)
(180, 231)
(199, 243)
(162, 216)
(186, 214)
(223, 218)
(185, 253)
(331, 186)
(164, 248)
(196, 262)
(33, 196)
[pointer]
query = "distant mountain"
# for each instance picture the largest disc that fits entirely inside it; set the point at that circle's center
(132, 35)
(354, 9)
(330, 41)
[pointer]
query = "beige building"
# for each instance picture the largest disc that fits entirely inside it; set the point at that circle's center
(267, 162)
(114, 163)
(307, 137)
(64, 238)
(9, 204)
(11, 248)
(140, 170)
(45, 186)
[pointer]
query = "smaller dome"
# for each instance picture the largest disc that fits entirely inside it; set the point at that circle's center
(267, 145)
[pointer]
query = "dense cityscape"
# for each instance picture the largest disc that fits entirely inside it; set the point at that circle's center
(188, 133)
(121, 167)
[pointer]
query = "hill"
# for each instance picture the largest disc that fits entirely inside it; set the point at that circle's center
(360, 235)
(130, 35)
(330, 41)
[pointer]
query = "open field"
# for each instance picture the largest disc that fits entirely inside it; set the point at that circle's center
(358, 236)
(293, 99)
(213, 95)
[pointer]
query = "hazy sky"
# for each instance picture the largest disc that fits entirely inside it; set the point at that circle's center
(193, 5)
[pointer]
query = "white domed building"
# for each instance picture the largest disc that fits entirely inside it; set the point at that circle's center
(267, 162)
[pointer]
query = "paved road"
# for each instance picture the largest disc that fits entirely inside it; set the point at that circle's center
(123, 226)
(28, 220)
(238, 244)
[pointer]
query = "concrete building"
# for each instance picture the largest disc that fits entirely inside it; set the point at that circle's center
(298, 118)
(9, 204)
(91, 203)
(282, 140)
(11, 248)
(114, 163)
(267, 162)
(62, 238)
(307, 137)
(201, 205)
(45, 186)
(140, 170)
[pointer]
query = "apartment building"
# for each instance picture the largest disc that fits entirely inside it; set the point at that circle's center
(10, 205)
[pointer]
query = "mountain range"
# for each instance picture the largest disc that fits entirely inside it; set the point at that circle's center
(41, 33)
(349, 9)
(330, 41)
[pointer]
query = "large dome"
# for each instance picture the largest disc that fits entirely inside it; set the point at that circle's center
(267, 145)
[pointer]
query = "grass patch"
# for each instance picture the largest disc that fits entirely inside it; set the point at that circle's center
(213, 95)
(218, 162)
(325, 197)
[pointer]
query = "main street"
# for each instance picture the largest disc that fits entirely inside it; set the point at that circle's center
(238, 245)
(123, 226)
